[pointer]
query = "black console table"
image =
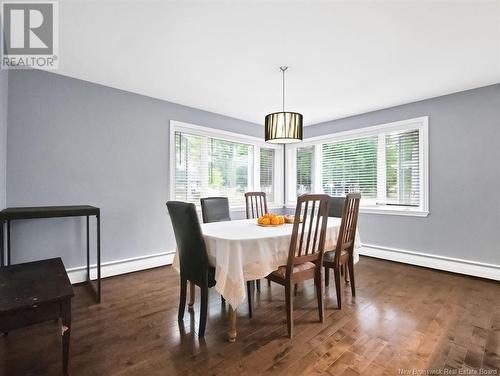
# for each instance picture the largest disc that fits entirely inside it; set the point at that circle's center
(9, 214)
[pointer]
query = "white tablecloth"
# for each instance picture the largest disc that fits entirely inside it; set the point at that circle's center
(242, 251)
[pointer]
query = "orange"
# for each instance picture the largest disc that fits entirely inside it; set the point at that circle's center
(265, 221)
(275, 221)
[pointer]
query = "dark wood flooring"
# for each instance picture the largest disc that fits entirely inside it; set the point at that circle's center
(403, 318)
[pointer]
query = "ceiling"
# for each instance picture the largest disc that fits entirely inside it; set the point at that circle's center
(345, 57)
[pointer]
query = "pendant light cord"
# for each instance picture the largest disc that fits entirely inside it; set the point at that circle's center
(283, 69)
(283, 90)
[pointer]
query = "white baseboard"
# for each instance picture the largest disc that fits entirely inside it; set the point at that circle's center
(474, 268)
(109, 269)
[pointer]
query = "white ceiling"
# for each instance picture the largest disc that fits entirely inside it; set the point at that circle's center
(345, 57)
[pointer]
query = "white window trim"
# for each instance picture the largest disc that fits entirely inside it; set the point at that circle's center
(257, 143)
(420, 123)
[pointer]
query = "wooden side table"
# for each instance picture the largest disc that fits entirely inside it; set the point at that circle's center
(37, 212)
(35, 292)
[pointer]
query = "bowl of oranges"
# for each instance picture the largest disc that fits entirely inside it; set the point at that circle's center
(271, 220)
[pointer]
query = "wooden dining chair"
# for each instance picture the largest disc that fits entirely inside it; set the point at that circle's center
(193, 258)
(256, 206)
(335, 210)
(342, 255)
(216, 209)
(305, 254)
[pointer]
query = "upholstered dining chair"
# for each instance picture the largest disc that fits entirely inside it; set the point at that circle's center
(193, 258)
(256, 206)
(216, 209)
(305, 254)
(342, 255)
(336, 206)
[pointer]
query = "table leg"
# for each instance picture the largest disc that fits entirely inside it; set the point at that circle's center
(88, 249)
(191, 295)
(8, 242)
(231, 334)
(65, 332)
(2, 245)
(98, 218)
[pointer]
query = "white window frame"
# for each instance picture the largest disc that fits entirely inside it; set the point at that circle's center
(420, 123)
(257, 143)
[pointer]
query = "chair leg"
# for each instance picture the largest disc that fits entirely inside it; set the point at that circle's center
(269, 282)
(319, 294)
(336, 272)
(258, 285)
(344, 268)
(351, 276)
(327, 276)
(250, 289)
(182, 299)
(203, 311)
(295, 289)
(222, 300)
(289, 309)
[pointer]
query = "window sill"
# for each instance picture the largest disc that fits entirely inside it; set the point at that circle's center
(242, 208)
(385, 211)
(394, 211)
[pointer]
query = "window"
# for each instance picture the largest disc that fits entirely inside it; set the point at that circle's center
(267, 172)
(206, 162)
(305, 170)
(350, 166)
(402, 168)
(386, 163)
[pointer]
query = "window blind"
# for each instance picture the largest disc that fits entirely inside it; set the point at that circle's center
(267, 172)
(305, 159)
(402, 168)
(350, 166)
(189, 171)
(208, 167)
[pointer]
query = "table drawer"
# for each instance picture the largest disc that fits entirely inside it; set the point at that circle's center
(32, 315)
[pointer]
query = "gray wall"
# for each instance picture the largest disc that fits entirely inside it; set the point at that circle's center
(71, 141)
(74, 142)
(4, 77)
(464, 152)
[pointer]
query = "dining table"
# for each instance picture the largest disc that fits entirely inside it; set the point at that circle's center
(241, 251)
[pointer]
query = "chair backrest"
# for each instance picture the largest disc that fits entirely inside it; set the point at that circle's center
(193, 257)
(336, 207)
(215, 209)
(256, 203)
(308, 238)
(347, 231)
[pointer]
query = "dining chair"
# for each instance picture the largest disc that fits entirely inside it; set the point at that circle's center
(216, 209)
(335, 210)
(305, 255)
(336, 206)
(193, 258)
(342, 255)
(256, 206)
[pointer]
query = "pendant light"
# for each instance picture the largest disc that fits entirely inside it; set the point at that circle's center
(283, 127)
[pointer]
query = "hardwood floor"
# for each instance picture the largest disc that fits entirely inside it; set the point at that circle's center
(403, 317)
